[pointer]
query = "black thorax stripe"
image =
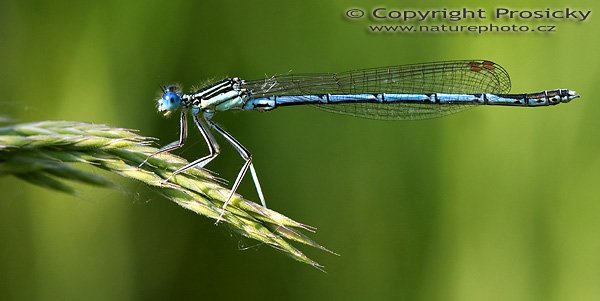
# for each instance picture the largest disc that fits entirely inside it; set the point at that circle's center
(214, 89)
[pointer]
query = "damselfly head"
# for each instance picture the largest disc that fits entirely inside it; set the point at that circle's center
(170, 100)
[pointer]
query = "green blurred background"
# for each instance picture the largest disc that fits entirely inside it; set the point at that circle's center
(490, 204)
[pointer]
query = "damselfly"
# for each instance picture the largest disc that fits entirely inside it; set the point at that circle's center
(406, 92)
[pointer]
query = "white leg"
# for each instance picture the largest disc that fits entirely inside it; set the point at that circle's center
(213, 148)
(175, 144)
(245, 154)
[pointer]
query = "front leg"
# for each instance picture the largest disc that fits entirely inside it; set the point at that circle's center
(213, 148)
(175, 144)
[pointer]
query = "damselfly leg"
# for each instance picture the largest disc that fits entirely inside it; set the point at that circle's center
(214, 150)
(245, 154)
(213, 147)
(175, 144)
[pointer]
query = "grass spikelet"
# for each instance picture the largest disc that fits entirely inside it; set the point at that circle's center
(42, 153)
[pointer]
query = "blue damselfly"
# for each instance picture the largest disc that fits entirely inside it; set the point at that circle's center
(405, 92)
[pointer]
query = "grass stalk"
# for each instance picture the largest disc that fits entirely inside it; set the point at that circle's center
(43, 153)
